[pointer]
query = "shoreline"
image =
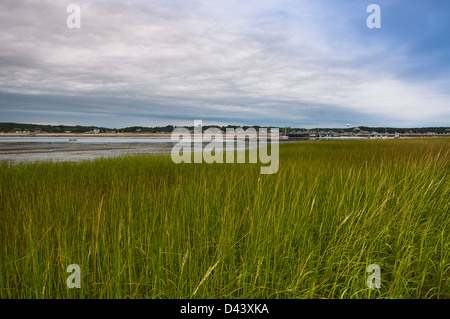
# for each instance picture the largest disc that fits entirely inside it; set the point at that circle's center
(162, 135)
(168, 135)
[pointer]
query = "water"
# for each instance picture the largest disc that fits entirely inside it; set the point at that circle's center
(70, 148)
(61, 148)
(9, 140)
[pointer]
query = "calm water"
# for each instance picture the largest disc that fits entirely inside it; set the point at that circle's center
(29, 148)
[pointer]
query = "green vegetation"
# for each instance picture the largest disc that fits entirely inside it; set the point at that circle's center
(39, 128)
(144, 227)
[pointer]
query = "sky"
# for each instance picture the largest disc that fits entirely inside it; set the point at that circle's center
(244, 62)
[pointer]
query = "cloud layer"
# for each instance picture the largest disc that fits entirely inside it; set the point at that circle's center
(283, 63)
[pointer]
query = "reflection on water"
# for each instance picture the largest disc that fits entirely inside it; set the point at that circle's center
(60, 148)
(81, 140)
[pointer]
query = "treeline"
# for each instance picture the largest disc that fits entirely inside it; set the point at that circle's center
(42, 128)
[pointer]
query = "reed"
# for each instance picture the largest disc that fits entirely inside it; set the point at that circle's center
(144, 227)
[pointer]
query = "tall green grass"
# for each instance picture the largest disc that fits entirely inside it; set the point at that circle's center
(144, 227)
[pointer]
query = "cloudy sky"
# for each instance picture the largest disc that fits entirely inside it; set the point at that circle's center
(264, 62)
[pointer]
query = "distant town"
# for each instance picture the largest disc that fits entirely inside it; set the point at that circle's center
(288, 132)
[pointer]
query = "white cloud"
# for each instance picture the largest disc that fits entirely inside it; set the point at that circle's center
(229, 57)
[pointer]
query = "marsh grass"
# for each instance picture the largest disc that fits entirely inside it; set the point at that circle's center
(144, 227)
